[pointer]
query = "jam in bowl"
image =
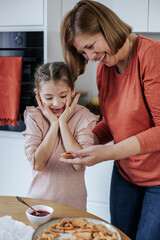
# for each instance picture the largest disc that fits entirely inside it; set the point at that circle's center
(41, 213)
(45, 214)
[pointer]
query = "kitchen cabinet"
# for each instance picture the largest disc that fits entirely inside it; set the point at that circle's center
(46, 15)
(21, 12)
(53, 48)
(135, 13)
(154, 16)
(15, 170)
(67, 5)
(142, 16)
(98, 179)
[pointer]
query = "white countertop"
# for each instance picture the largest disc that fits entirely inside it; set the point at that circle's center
(11, 134)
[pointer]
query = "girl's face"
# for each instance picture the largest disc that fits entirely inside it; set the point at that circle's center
(55, 94)
(95, 47)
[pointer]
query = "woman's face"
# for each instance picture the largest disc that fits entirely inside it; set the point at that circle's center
(95, 47)
(55, 94)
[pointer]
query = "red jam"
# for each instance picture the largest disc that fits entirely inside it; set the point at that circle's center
(42, 213)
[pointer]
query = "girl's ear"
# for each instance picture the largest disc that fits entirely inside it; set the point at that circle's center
(36, 91)
(73, 92)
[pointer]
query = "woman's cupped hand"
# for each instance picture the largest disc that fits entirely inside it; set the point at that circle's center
(89, 156)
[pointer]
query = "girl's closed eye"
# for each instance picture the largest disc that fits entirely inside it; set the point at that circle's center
(64, 96)
(48, 98)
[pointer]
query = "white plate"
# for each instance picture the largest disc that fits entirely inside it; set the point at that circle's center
(39, 230)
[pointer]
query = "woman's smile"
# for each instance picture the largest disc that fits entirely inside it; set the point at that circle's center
(102, 58)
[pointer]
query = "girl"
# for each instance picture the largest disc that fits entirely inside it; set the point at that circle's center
(56, 126)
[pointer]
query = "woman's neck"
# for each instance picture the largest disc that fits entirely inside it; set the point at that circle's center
(126, 53)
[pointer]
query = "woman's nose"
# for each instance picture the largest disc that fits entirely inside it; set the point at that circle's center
(91, 56)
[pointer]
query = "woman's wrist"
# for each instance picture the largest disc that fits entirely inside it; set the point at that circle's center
(127, 148)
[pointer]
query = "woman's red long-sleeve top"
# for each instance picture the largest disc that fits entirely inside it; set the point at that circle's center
(130, 105)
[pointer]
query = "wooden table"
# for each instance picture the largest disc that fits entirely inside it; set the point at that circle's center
(10, 206)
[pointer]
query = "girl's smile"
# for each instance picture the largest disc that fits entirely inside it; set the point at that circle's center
(58, 111)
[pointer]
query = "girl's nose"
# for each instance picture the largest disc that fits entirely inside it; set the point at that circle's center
(55, 102)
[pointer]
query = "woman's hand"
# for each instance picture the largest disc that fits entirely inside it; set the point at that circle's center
(99, 153)
(69, 108)
(89, 156)
(45, 110)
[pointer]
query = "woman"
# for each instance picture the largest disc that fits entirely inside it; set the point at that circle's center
(128, 80)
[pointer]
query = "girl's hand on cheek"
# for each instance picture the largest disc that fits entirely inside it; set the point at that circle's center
(69, 108)
(66, 114)
(49, 114)
(46, 110)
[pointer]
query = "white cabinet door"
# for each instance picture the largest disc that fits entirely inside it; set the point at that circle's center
(15, 170)
(134, 13)
(98, 178)
(67, 5)
(154, 16)
(21, 12)
(53, 43)
(53, 15)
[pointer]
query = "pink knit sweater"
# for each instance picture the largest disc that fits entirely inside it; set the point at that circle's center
(58, 182)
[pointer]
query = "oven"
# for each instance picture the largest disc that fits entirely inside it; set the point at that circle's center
(29, 46)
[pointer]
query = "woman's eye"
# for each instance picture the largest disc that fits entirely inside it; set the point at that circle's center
(90, 47)
(82, 53)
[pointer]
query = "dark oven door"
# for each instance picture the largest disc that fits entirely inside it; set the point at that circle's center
(28, 45)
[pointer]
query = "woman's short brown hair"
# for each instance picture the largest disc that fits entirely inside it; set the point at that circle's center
(90, 17)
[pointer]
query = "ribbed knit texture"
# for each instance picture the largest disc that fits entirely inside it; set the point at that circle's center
(130, 104)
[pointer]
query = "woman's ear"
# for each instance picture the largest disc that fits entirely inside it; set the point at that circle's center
(73, 92)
